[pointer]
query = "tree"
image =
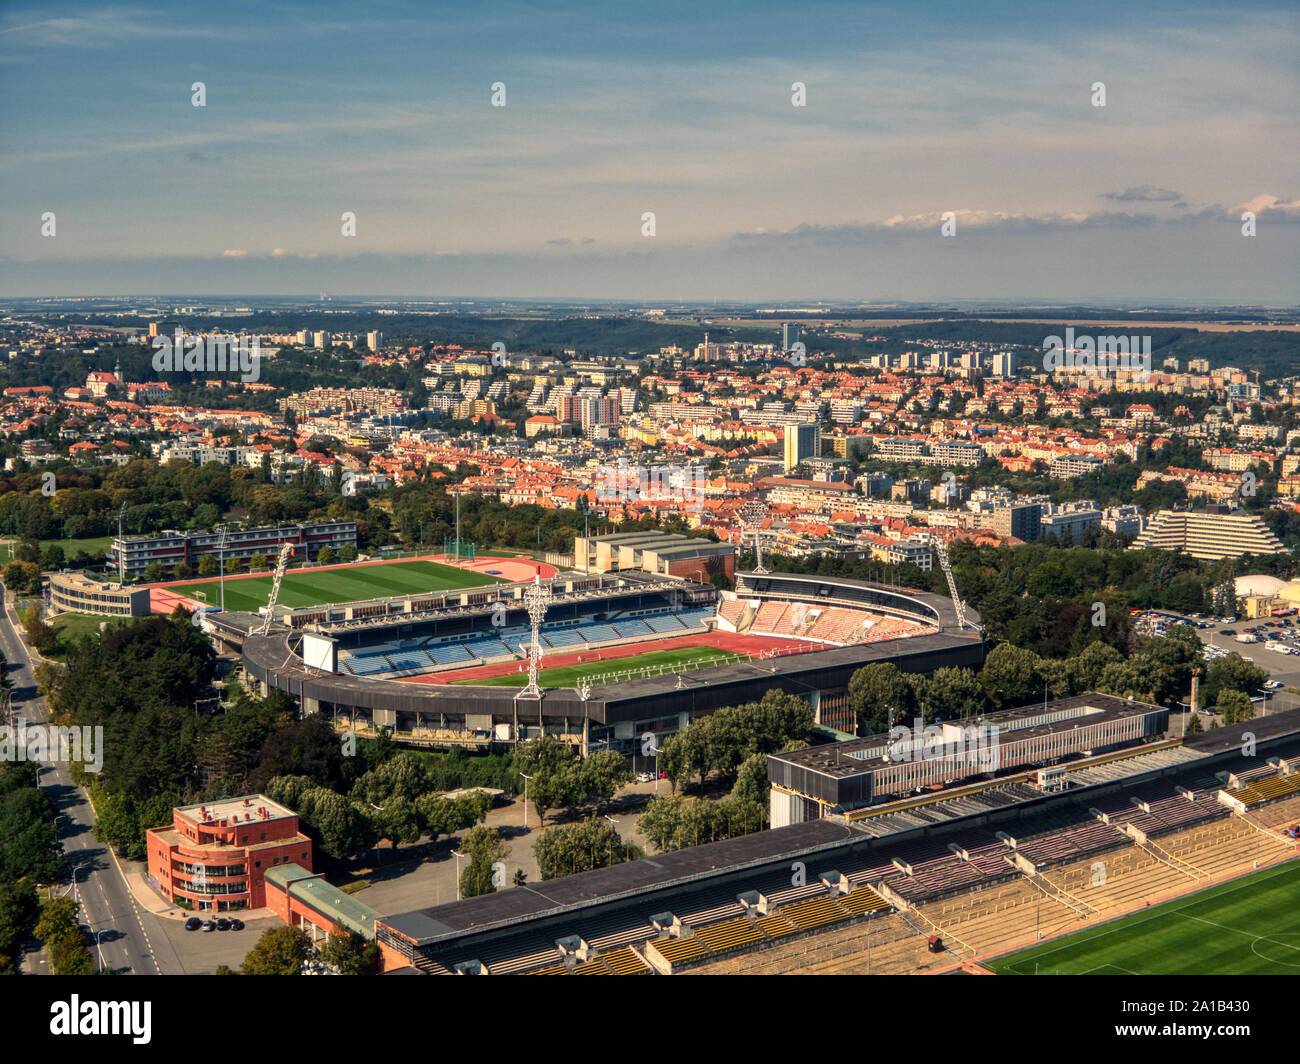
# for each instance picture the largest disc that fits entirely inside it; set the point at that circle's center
(1234, 706)
(661, 819)
(21, 577)
(484, 847)
(1231, 673)
(349, 953)
(59, 930)
(347, 553)
(752, 784)
(325, 556)
(280, 951)
(39, 634)
(208, 565)
(17, 905)
(257, 561)
(342, 827)
(399, 821)
(950, 693)
(153, 572)
(877, 688)
(52, 558)
(570, 848)
(182, 571)
(545, 760)
(1010, 676)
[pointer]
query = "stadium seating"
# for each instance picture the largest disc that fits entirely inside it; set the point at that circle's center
(597, 633)
(631, 628)
(448, 654)
(665, 624)
(562, 637)
(406, 659)
(370, 665)
(731, 611)
(694, 620)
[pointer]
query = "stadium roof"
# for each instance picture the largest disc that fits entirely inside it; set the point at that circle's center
(602, 886)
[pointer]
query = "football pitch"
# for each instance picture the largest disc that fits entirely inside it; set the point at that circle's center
(1250, 926)
(315, 587)
(613, 670)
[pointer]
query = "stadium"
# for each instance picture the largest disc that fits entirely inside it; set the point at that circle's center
(882, 857)
(619, 654)
(972, 877)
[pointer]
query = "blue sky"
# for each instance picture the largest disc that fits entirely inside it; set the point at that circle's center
(912, 110)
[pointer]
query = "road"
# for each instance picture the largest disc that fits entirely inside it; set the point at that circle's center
(130, 939)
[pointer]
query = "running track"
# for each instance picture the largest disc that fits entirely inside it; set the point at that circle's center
(726, 641)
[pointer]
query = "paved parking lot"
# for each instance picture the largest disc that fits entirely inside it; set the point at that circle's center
(200, 952)
(1283, 667)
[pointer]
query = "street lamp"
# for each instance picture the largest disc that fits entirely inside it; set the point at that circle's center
(526, 779)
(627, 846)
(458, 855)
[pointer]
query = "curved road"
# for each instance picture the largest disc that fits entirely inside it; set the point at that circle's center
(130, 939)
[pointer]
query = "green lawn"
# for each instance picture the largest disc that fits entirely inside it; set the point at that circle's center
(97, 546)
(641, 665)
(312, 588)
(69, 629)
(1250, 926)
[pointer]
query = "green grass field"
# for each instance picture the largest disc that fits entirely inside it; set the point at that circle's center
(1250, 926)
(644, 664)
(338, 585)
(97, 545)
(69, 628)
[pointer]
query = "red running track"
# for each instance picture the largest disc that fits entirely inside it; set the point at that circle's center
(728, 641)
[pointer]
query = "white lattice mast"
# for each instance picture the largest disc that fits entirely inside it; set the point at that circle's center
(941, 549)
(281, 564)
(751, 516)
(537, 598)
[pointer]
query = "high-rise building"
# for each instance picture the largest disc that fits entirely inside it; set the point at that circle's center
(1022, 521)
(374, 340)
(801, 442)
(1211, 534)
(320, 340)
(599, 410)
(1004, 364)
(789, 335)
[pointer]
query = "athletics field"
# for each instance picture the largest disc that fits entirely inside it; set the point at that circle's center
(616, 670)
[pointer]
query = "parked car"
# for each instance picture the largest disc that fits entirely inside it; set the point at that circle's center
(223, 924)
(209, 925)
(193, 923)
(236, 924)
(1273, 685)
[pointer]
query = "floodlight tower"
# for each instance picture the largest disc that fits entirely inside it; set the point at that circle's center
(121, 553)
(941, 549)
(751, 517)
(281, 564)
(221, 551)
(537, 598)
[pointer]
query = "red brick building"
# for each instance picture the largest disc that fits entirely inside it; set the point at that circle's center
(215, 855)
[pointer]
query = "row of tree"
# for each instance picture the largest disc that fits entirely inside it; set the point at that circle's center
(1159, 670)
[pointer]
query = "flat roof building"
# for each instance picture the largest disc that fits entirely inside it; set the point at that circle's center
(215, 856)
(1211, 534)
